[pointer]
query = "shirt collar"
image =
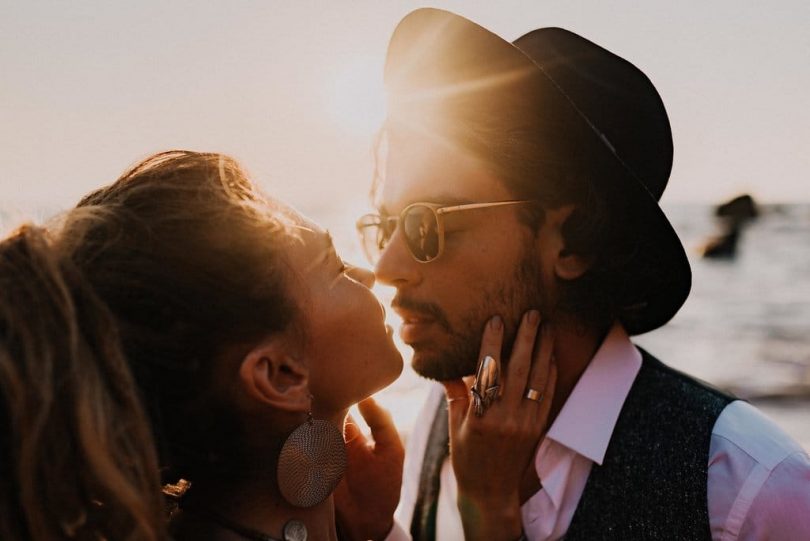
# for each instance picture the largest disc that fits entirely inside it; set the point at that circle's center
(589, 416)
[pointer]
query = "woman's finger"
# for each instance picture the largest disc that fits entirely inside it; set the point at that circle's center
(541, 364)
(458, 403)
(380, 422)
(487, 386)
(492, 339)
(352, 434)
(548, 398)
(521, 358)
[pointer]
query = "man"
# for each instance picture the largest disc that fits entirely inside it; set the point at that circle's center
(524, 176)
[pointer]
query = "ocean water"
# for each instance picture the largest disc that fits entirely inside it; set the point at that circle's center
(746, 324)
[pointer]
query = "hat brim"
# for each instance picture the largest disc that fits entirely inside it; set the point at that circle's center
(434, 52)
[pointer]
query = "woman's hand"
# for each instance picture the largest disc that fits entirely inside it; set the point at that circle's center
(367, 496)
(492, 454)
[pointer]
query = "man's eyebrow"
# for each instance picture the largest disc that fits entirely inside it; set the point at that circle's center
(440, 199)
(451, 200)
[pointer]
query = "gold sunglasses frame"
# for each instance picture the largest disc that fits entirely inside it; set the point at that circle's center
(438, 210)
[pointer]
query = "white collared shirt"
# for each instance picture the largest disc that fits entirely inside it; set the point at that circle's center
(758, 481)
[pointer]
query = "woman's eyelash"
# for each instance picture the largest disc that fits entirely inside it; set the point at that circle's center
(342, 266)
(340, 273)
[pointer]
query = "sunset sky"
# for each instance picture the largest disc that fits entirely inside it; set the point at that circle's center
(292, 89)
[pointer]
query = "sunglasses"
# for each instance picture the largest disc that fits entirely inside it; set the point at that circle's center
(422, 226)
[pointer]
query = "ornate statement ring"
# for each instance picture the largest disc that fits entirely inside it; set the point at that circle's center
(487, 384)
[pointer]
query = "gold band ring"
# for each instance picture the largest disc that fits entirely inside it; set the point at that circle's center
(534, 394)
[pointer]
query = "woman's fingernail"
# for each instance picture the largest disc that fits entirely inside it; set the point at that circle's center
(496, 323)
(533, 317)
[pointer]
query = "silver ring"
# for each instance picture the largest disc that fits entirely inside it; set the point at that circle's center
(487, 384)
(534, 394)
(478, 403)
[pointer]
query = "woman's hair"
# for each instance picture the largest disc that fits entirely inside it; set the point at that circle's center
(190, 259)
(114, 329)
(76, 459)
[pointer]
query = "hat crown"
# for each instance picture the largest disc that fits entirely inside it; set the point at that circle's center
(616, 98)
(566, 106)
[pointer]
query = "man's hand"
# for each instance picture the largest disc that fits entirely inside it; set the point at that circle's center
(367, 496)
(492, 453)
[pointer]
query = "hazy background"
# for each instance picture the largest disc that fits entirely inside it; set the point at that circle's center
(293, 90)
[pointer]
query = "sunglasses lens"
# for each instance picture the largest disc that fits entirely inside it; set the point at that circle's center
(375, 232)
(421, 231)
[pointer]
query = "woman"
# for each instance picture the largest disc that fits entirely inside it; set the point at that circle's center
(242, 330)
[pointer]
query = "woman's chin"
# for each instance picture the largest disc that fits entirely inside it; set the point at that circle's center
(396, 365)
(390, 375)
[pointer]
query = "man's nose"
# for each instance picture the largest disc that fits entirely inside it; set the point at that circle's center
(361, 275)
(396, 266)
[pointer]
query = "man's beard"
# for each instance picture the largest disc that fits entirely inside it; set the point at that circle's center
(510, 299)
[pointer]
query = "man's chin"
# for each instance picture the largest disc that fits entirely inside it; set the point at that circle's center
(438, 367)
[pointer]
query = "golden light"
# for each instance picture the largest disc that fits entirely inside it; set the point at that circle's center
(354, 95)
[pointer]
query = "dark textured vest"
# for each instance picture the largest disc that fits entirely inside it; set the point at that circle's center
(652, 483)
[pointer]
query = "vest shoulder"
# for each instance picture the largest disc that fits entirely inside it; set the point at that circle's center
(656, 373)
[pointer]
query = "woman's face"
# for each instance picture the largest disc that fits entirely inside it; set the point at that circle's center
(347, 345)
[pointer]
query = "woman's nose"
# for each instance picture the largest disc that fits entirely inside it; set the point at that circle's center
(362, 275)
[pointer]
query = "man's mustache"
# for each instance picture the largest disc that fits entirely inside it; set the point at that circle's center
(426, 308)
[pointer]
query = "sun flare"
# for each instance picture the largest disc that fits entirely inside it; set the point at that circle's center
(355, 96)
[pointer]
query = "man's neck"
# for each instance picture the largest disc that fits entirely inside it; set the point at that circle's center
(574, 348)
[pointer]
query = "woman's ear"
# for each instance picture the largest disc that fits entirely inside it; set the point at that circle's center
(568, 265)
(270, 375)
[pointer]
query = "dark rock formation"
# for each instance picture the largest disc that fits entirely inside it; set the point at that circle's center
(733, 214)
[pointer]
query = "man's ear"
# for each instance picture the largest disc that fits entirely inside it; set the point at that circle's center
(568, 265)
(269, 374)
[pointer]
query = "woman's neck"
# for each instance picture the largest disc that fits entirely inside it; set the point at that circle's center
(256, 505)
(254, 502)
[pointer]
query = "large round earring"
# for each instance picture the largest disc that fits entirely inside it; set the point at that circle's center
(312, 462)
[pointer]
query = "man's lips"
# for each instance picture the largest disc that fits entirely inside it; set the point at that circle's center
(419, 319)
(415, 325)
(410, 318)
(414, 331)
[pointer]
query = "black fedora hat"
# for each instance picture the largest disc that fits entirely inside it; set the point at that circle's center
(444, 72)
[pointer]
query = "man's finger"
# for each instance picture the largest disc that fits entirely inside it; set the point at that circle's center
(380, 422)
(521, 358)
